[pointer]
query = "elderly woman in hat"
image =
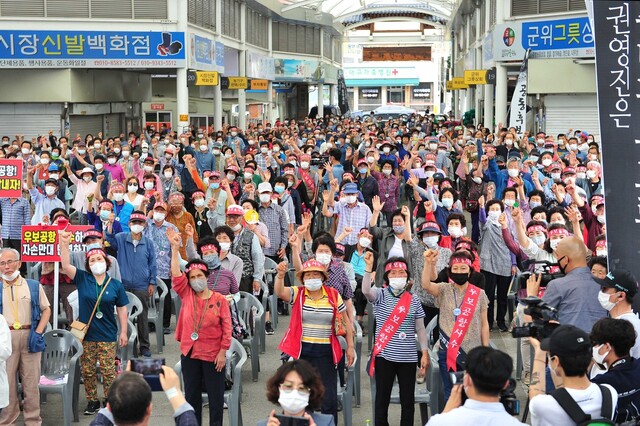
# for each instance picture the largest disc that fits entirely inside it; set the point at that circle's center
(312, 332)
(99, 298)
(86, 188)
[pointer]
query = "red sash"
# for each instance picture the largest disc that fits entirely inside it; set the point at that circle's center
(461, 326)
(308, 180)
(390, 327)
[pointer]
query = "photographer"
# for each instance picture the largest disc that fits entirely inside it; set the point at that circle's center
(486, 375)
(612, 340)
(129, 401)
(575, 295)
(569, 353)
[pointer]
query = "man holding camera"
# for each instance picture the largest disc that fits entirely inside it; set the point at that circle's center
(129, 401)
(486, 376)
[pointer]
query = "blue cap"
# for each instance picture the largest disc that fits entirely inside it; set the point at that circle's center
(53, 167)
(350, 188)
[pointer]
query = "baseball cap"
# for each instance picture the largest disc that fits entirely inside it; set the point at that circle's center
(265, 187)
(567, 340)
(621, 280)
(235, 209)
(429, 227)
(92, 233)
(160, 205)
(350, 188)
(339, 248)
(53, 181)
(438, 176)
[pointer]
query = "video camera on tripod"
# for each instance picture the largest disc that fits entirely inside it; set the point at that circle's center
(542, 314)
(548, 271)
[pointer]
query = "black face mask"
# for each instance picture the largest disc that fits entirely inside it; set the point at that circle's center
(563, 269)
(459, 279)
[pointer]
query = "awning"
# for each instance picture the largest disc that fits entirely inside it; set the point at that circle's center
(383, 82)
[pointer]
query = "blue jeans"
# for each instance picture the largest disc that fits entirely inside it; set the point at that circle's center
(446, 381)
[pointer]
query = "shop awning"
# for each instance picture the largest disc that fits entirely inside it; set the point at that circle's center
(383, 82)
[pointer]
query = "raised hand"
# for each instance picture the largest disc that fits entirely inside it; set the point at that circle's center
(282, 268)
(174, 238)
(516, 214)
(377, 205)
(428, 206)
(368, 261)
(65, 237)
(481, 201)
(100, 178)
(188, 229)
(502, 220)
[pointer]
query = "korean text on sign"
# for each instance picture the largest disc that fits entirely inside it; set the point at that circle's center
(39, 243)
(11, 178)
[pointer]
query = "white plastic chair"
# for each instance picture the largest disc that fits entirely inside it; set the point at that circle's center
(246, 302)
(345, 395)
(156, 312)
(269, 278)
(134, 307)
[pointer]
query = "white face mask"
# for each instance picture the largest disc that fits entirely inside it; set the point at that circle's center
(429, 173)
(236, 228)
(554, 244)
(204, 148)
(509, 203)
(599, 359)
(118, 196)
(136, 229)
(225, 246)
(158, 217)
(447, 203)
(304, 164)
(370, 160)
(546, 162)
(99, 166)
(538, 239)
(125, 154)
(386, 150)
(508, 142)
(591, 174)
(364, 242)
(11, 276)
(601, 252)
(455, 231)
(350, 199)
(313, 284)
(44, 161)
(387, 171)
(132, 188)
(397, 283)
(555, 176)
(603, 298)
(265, 198)
(98, 268)
(231, 177)
(86, 178)
(477, 179)
(82, 151)
(148, 185)
(601, 218)
(50, 190)
(248, 175)
(168, 175)
(323, 258)
(494, 215)
(431, 241)
(97, 145)
(199, 202)
(111, 160)
(53, 176)
(581, 175)
(513, 172)
(148, 168)
(294, 401)
(26, 151)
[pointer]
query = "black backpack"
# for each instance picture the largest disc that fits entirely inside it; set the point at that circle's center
(574, 411)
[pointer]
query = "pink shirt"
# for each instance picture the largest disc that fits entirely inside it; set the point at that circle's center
(214, 332)
(117, 173)
(83, 189)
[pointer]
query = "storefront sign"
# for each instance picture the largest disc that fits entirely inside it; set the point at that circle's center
(617, 70)
(421, 92)
(370, 93)
(449, 85)
(296, 69)
(202, 54)
(259, 84)
(91, 49)
(39, 243)
(11, 178)
(202, 78)
(480, 76)
(379, 72)
(562, 38)
(261, 66)
(458, 83)
(234, 83)
(184, 118)
(157, 107)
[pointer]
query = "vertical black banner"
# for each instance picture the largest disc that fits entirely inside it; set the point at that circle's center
(343, 100)
(617, 35)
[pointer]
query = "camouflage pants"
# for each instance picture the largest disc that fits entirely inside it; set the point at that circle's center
(105, 354)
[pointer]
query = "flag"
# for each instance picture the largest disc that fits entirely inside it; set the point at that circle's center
(518, 117)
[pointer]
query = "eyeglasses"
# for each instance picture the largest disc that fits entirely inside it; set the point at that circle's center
(289, 387)
(8, 263)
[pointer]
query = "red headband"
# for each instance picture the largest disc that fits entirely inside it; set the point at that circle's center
(137, 216)
(464, 246)
(96, 251)
(460, 261)
(176, 196)
(194, 266)
(209, 247)
(536, 228)
(395, 265)
(601, 243)
(559, 231)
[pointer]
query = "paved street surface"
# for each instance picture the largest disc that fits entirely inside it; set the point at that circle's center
(254, 404)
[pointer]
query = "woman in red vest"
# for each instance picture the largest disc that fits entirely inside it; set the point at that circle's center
(311, 335)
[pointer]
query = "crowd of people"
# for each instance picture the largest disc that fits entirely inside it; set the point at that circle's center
(430, 222)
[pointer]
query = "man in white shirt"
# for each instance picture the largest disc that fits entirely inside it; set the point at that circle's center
(486, 376)
(569, 353)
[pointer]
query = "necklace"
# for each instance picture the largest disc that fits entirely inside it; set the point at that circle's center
(14, 306)
(196, 326)
(456, 310)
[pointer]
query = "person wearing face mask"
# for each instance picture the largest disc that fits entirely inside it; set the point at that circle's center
(594, 221)
(170, 181)
(132, 196)
(55, 171)
(200, 211)
(121, 208)
(389, 188)
(105, 182)
(115, 170)
(510, 177)
(94, 239)
(220, 279)
(613, 345)
(246, 246)
(284, 199)
(531, 248)
(137, 259)
(44, 203)
(392, 241)
(277, 222)
(309, 177)
(447, 198)
(229, 261)
(298, 389)
(574, 295)
(395, 353)
(457, 300)
(104, 214)
(79, 160)
(205, 160)
(313, 337)
(145, 173)
(351, 213)
(204, 332)
(178, 216)
(235, 140)
(568, 353)
(16, 212)
(474, 187)
(593, 183)
(367, 183)
(617, 290)
(231, 173)
(104, 296)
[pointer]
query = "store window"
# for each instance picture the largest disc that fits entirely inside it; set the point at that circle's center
(203, 123)
(422, 95)
(157, 119)
(370, 98)
(395, 94)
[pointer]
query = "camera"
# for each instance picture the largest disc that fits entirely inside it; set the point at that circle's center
(542, 313)
(319, 161)
(507, 397)
(150, 368)
(548, 271)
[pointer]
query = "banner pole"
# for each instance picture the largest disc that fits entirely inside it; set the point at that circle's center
(56, 297)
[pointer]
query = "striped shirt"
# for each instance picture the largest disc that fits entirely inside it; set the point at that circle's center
(402, 346)
(275, 218)
(356, 218)
(14, 215)
(317, 316)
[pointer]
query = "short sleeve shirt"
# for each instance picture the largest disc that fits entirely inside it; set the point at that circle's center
(317, 316)
(103, 329)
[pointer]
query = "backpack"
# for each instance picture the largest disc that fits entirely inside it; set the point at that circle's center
(574, 411)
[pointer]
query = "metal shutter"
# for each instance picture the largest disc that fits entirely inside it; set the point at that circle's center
(30, 8)
(29, 125)
(68, 8)
(149, 9)
(578, 112)
(85, 124)
(524, 7)
(111, 9)
(113, 125)
(552, 6)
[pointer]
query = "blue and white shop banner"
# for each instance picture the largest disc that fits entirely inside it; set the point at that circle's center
(202, 54)
(91, 49)
(559, 38)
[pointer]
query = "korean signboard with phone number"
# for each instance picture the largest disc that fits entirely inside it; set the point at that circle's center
(91, 49)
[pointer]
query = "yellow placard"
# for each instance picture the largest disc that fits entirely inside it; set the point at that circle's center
(206, 78)
(259, 84)
(458, 83)
(184, 117)
(475, 77)
(449, 85)
(236, 83)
